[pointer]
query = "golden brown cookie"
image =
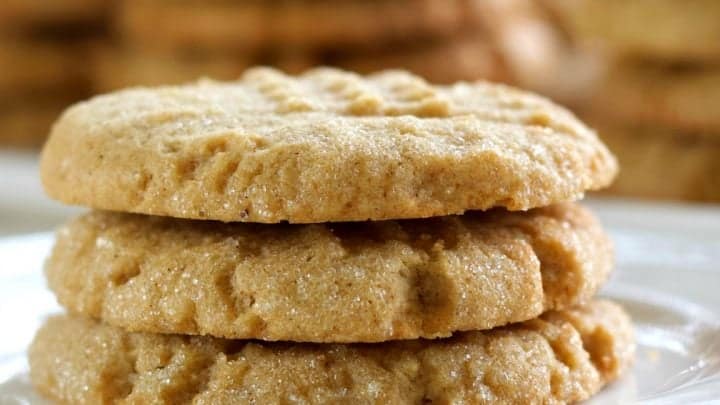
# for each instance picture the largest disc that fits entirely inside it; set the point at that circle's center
(40, 67)
(562, 357)
(307, 24)
(659, 163)
(685, 98)
(325, 146)
(341, 282)
(661, 29)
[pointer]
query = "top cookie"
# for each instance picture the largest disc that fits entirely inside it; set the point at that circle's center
(326, 146)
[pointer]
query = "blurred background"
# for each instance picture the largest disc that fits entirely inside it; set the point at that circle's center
(644, 73)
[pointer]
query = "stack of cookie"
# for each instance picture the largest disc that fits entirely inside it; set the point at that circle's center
(42, 63)
(169, 41)
(348, 267)
(656, 103)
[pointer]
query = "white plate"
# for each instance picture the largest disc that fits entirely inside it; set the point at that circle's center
(668, 278)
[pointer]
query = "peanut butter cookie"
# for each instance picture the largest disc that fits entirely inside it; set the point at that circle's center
(325, 146)
(338, 282)
(561, 357)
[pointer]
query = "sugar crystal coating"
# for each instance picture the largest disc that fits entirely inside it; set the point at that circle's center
(341, 282)
(561, 357)
(325, 146)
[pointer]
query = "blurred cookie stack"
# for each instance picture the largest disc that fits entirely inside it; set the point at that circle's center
(656, 102)
(43, 63)
(384, 287)
(170, 41)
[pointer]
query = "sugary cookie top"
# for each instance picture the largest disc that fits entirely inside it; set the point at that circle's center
(324, 146)
(560, 357)
(334, 282)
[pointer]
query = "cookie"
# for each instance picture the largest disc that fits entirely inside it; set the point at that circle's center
(306, 24)
(26, 123)
(531, 49)
(662, 164)
(511, 43)
(684, 98)
(564, 356)
(34, 67)
(656, 29)
(341, 282)
(507, 42)
(324, 146)
(23, 14)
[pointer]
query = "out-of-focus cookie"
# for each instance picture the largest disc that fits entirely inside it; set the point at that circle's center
(531, 49)
(511, 43)
(465, 58)
(343, 282)
(311, 24)
(507, 42)
(325, 146)
(29, 14)
(42, 68)
(116, 68)
(685, 98)
(26, 123)
(660, 163)
(562, 357)
(660, 29)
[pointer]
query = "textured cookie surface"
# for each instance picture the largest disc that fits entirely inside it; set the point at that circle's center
(345, 282)
(661, 29)
(562, 357)
(660, 163)
(684, 98)
(325, 146)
